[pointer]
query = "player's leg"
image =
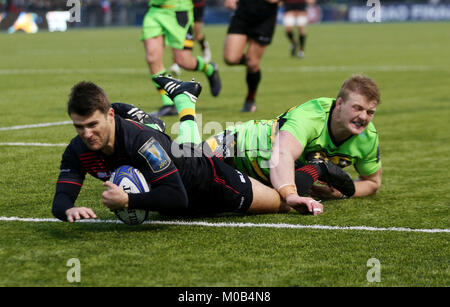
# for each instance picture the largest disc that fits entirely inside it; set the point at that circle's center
(199, 36)
(260, 36)
(236, 40)
(289, 24)
(266, 200)
(184, 95)
(254, 55)
(302, 22)
(153, 40)
(233, 53)
(179, 36)
(154, 48)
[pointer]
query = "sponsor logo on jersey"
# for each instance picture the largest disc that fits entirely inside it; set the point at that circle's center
(241, 177)
(155, 155)
(340, 161)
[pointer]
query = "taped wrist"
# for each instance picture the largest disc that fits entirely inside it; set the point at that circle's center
(286, 189)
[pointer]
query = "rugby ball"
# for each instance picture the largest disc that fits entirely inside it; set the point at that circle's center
(130, 180)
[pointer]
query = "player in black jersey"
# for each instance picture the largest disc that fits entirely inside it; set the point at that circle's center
(252, 26)
(180, 183)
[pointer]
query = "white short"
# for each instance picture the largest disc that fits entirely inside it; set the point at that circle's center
(291, 21)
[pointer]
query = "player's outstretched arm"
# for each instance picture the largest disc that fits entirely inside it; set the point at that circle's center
(284, 153)
(63, 207)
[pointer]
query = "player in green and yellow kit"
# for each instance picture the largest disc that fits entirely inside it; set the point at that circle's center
(305, 144)
(337, 131)
(169, 22)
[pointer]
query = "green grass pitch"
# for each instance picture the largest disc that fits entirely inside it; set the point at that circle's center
(410, 63)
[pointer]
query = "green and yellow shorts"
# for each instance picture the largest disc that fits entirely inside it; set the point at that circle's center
(176, 26)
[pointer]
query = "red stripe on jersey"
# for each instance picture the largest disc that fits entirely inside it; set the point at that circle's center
(136, 124)
(71, 182)
(174, 171)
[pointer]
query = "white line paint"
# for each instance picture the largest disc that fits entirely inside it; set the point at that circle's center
(319, 69)
(33, 144)
(35, 125)
(237, 225)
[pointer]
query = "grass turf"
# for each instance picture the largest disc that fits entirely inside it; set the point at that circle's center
(37, 72)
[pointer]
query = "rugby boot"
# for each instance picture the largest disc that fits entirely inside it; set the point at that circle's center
(129, 111)
(249, 106)
(175, 87)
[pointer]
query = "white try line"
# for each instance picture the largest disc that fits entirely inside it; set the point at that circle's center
(236, 225)
(35, 125)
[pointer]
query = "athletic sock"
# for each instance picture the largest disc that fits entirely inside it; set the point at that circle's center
(166, 101)
(302, 40)
(188, 126)
(202, 43)
(253, 79)
(305, 176)
(208, 69)
(290, 36)
(243, 60)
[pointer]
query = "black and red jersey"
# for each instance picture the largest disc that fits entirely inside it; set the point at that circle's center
(136, 145)
(130, 137)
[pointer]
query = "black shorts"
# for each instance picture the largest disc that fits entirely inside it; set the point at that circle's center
(213, 186)
(295, 7)
(258, 28)
(199, 10)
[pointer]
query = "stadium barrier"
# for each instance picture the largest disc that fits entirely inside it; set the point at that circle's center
(133, 15)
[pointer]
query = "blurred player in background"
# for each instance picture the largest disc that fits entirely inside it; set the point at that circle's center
(295, 15)
(169, 22)
(199, 36)
(252, 26)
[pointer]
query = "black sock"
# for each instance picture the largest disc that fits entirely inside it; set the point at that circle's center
(302, 40)
(243, 60)
(253, 79)
(290, 36)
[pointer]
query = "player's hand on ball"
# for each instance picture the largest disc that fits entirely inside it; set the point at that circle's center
(79, 213)
(304, 205)
(114, 198)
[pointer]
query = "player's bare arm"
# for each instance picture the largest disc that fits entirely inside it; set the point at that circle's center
(285, 151)
(368, 185)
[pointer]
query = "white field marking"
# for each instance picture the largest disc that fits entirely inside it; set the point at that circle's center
(248, 225)
(33, 144)
(35, 125)
(319, 69)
